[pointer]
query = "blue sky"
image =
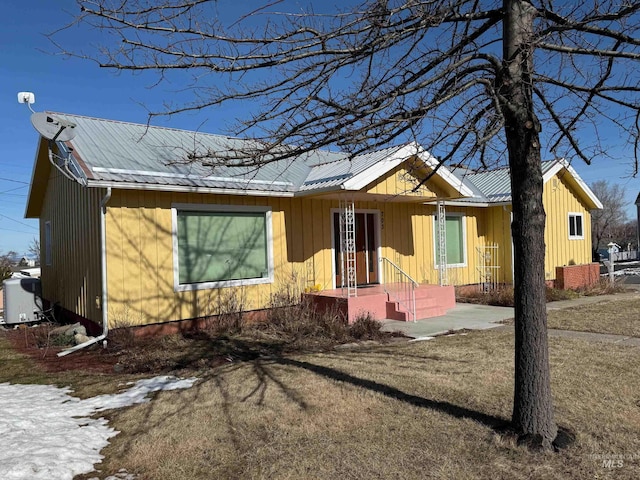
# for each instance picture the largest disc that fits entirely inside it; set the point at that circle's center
(81, 87)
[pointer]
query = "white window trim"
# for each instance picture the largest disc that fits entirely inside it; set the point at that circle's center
(575, 214)
(191, 207)
(464, 240)
(48, 244)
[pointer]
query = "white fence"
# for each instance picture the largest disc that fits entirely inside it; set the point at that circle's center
(626, 255)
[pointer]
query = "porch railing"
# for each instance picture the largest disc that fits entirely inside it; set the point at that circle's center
(399, 286)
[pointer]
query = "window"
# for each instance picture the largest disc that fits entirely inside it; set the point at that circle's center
(455, 240)
(575, 226)
(47, 243)
(221, 246)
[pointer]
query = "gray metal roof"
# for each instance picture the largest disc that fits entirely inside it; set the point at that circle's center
(136, 154)
(491, 186)
(335, 173)
(131, 153)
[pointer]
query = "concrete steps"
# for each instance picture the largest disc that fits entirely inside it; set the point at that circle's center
(431, 301)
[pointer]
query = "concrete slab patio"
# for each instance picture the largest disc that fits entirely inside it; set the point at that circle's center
(462, 316)
(481, 317)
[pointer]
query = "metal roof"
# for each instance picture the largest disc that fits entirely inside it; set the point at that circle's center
(116, 151)
(335, 173)
(130, 155)
(143, 156)
(492, 186)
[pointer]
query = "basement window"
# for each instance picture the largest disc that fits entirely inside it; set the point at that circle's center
(575, 226)
(221, 246)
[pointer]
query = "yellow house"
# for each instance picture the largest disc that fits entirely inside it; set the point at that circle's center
(134, 234)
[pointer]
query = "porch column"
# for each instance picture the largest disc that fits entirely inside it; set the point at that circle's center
(442, 243)
(348, 247)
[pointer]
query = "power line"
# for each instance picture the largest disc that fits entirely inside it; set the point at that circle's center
(12, 189)
(16, 231)
(15, 181)
(18, 221)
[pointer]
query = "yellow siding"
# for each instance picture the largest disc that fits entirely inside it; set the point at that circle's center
(73, 279)
(400, 182)
(140, 248)
(140, 256)
(140, 251)
(559, 199)
(497, 231)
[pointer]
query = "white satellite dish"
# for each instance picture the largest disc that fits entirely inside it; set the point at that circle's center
(52, 127)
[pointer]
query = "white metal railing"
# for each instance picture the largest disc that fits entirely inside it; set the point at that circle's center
(487, 267)
(399, 286)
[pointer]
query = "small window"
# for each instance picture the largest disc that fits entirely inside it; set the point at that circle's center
(575, 226)
(221, 246)
(47, 243)
(455, 240)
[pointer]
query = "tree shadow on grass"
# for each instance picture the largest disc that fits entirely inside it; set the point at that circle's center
(215, 351)
(498, 424)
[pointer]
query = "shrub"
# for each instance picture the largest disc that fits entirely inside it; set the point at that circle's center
(604, 287)
(366, 328)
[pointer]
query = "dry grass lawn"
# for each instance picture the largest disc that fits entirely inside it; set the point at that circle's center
(414, 411)
(620, 316)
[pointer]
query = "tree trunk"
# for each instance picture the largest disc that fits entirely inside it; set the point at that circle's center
(533, 407)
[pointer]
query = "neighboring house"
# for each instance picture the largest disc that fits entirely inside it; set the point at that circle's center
(132, 234)
(27, 262)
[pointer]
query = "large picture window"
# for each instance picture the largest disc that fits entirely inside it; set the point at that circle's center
(455, 240)
(217, 246)
(575, 226)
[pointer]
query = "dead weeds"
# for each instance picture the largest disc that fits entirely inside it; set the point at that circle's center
(502, 296)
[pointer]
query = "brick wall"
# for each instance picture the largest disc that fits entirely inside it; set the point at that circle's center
(577, 276)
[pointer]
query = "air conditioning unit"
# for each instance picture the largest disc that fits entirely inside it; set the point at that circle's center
(22, 300)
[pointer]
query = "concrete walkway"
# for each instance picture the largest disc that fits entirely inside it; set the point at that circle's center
(481, 317)
(462, 316)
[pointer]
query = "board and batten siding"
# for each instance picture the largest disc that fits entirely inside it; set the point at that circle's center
(73, 278)
(140, 252)
(559, 200)
(140, 273)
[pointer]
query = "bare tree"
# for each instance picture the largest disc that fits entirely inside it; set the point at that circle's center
(605, 222)
(34, 249)
(472, 81)
(625, 234)
(7, 260)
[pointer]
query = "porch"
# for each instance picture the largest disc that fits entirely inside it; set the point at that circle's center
(430, 301)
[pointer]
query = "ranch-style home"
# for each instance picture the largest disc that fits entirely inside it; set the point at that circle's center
(134, 235)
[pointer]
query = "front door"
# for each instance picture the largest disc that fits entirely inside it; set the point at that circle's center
(366, 249)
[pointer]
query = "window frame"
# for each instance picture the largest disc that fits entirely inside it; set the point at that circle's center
(48, 250)
(463, 220)
(215, 208)
(574, 215)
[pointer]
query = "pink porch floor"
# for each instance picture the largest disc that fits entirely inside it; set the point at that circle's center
(431, 301)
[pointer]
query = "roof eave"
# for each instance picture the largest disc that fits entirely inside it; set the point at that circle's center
(39, 174)
(186, 188)
(364, 178)
(592, 201)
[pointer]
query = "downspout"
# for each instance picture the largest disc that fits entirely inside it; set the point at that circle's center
(103, 265)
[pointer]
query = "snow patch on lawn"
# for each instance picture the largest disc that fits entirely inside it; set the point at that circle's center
(48, 434)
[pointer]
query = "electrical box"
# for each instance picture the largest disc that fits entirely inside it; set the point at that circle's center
(22, 300)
